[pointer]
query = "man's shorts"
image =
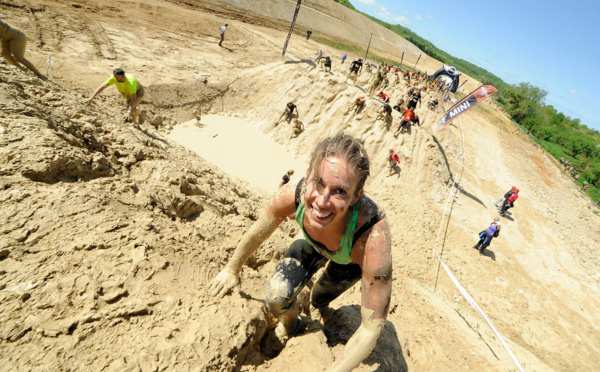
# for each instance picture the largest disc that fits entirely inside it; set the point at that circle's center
(355, 70)
(139, 94)
(287, 112)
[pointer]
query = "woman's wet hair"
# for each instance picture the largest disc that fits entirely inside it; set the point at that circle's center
(344, 146)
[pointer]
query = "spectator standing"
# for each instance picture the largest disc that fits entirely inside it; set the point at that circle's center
(222, 32)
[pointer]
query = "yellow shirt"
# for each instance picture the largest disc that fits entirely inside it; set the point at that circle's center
(126, 88)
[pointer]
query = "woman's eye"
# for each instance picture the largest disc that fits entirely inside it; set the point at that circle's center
(340, 192)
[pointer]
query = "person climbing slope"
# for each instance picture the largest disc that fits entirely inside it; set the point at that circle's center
(393, 159)
(130, 89)
(343, 230)
(289, 110)
(355, 68)
(486, 236)
(503, 198)
(358, 103)
(14, 43)
(510, 202)
(286, 177)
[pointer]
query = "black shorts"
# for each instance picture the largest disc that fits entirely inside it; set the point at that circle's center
(412, 104)
(294, 271)
(355, 70)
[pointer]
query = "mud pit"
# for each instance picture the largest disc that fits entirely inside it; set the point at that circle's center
(110, 234)
(239, 149)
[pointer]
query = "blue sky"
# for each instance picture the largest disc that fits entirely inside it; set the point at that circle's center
(551, 44)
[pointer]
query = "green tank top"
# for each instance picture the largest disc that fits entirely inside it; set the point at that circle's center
(341, 256)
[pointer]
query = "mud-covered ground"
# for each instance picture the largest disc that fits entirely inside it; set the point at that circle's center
(109, 233)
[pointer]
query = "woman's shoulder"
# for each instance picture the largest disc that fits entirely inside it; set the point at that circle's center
(369, 211)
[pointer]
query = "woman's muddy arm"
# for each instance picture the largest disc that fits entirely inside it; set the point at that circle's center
(281, 205)
(376, 294)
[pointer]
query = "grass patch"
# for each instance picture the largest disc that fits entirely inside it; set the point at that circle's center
(557, 152)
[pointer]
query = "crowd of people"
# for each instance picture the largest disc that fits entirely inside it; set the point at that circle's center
(342, 229)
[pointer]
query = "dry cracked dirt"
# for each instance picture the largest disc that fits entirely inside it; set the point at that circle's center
(109, 234)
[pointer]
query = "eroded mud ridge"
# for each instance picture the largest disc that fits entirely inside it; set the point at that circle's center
(105, 242)
(110, 233)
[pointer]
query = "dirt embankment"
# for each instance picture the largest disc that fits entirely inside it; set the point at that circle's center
(111, 233)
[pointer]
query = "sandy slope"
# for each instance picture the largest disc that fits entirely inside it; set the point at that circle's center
(110, 234)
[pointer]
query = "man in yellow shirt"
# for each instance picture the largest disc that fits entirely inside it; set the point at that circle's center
(14, 42)
(129, 88)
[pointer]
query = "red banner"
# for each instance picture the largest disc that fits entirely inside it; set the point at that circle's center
(471, 100)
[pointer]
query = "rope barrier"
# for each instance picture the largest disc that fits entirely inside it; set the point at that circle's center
(480, 312)
(461, 289)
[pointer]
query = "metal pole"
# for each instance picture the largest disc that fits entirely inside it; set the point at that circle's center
(291, 27)
(401, 59)
(368, 46)
(417, 61)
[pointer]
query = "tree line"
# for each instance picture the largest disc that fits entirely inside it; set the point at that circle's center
(578, 143)
(562, 136)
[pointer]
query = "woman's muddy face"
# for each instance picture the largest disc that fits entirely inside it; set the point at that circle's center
(330, 191)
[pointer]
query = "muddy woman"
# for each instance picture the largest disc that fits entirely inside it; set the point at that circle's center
(343, 230)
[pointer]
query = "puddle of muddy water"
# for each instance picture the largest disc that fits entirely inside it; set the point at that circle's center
(239, 149)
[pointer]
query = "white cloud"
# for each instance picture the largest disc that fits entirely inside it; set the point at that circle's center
(418, 17)
(384, 13)
(430, 16)
(401, 20)
(535, 71)
(573, 92)
(367, 2)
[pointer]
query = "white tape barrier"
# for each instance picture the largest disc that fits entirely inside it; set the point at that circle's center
(462, 162)
(452, 277)
(50, 63)
(480, 312)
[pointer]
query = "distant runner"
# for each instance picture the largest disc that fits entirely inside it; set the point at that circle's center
(308, 34)
(486, 236)
(398, 107)
(358, 103)
(289, 110)
(327, 64)
(356, 68)
(319, 55)
(343, 59)
(222, 30)
(297, 128)
(416, 98)
(393, 159)
(286, 177)
(374, 84)
(406, 119)
(386, 111)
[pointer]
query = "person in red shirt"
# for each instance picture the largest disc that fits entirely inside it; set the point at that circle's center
(510, 201)
(384, 97)
(394, 159)
(409, 114)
